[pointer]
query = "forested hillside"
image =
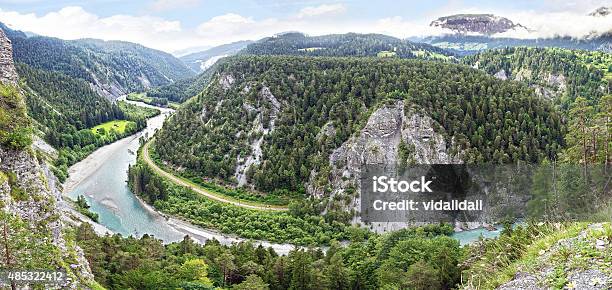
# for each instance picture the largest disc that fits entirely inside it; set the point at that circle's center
(184, 89)
(579, 82)
(341, 45)
(65, 109)
(350, 44)
(113, 67)
(562, 74)
(270, 116)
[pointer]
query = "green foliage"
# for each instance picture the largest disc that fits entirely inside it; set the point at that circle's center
(154, 101)
(134, 112)
(65, 109)
(252, 282)
(110, 62)
(273, 226)
(589, 136)
(64, 105)
(422, 276)
(83, 207)
(17, 193)
(489, 263)
(15, 131)
(182, 90)
(118, 126)
(490, 120)
(143, 263)
(537, 64)
(26, 245)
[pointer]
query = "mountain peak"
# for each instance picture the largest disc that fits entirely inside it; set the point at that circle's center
(601, 12)
(486, 24)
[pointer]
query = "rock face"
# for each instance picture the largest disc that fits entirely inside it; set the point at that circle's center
(254, 158)
(378, 143)
(42, 212)
(29, 193)
(486, 24)
(8, 74)
(545, 85)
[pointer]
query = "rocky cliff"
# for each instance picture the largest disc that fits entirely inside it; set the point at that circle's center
(486, 24)
(34, 235)
(8, 74)
(391, 127)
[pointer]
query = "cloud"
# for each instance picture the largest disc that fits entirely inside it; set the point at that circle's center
(552, 24)
(232, 27)
(74, 22)
(325, 9)
(163, 5)
(399, 27)
(581, 6)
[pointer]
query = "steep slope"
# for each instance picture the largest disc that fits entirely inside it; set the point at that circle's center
(557, 74)
(274, 123)
(200, 61)
(34, 235)
(184, 89)
(350, 44)
(112, 68)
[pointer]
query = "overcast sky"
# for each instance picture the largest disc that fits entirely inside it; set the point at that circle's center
(175, 25)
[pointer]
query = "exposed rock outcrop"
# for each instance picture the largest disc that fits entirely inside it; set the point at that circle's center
(259, 128)
(8, 73)
(29, 194)
(501, 75)
(486, 24)
(378, 143)
(226, 81)
(41, 209)
(546, 85)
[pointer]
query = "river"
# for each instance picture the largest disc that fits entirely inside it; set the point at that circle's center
(102, 179)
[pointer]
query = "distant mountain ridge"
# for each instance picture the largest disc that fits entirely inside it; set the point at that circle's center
(295, 43)
(349, 44)
(112, 68)
(470, 44)
(200, 61)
